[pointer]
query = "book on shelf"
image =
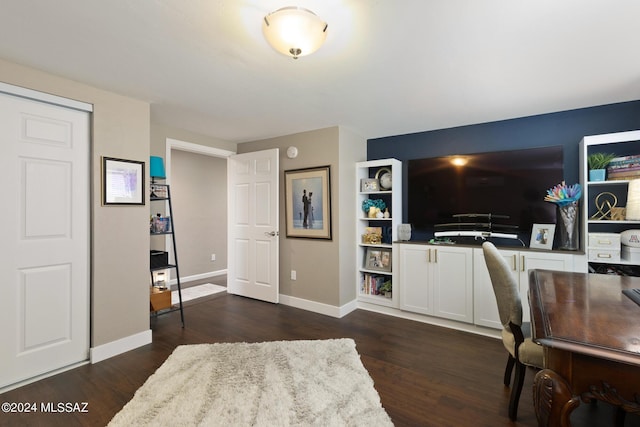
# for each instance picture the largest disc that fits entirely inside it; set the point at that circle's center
(627, 164)
(372, 283)
(622, 178)
(634, 165)
(634, 172)
(627, 174)
(623, 163)
(622, 159)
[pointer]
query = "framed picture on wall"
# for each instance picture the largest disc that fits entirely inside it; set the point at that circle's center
(122, 182)
(542, 236)
(308, 202)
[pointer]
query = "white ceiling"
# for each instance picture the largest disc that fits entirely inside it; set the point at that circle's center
(388, 67)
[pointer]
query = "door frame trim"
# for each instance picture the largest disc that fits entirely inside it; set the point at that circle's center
(176, 144)
(48, 98)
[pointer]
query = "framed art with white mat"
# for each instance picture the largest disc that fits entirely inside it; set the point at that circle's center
(308, 202)
(542, 236)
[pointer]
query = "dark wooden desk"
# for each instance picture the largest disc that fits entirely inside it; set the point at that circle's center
(591, 335)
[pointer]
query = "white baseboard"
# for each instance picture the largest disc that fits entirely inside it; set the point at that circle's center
(431, 320)
(114, 348)
(42, 376)
(318, 307)
(200, 276)
(333, 311)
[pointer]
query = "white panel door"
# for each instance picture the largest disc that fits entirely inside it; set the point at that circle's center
(44, 170)
(252, 269)
(416, 279)
(453, 283)
(486, 307)
(542, 260)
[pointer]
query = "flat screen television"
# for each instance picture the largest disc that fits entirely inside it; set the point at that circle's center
(502, 183)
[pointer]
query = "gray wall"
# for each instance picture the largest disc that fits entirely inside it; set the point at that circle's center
(159, 135)
(325, 269)
(119, 234)
(351, 150)
(199, 200)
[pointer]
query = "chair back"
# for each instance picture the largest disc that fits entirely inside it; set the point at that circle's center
(504, 285)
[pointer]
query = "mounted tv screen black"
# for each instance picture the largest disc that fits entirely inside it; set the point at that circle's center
(510, 183)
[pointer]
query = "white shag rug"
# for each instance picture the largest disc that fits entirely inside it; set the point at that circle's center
(196, 292)
(280, 383)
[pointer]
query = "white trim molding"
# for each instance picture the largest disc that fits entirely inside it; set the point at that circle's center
(45, 97)
(176, 144)
(318, 307)
(200, 276)
(114, 348)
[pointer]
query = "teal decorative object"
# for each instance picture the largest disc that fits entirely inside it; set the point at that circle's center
(376, 203)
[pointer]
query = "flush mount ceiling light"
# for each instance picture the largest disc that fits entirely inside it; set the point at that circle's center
(294, 31)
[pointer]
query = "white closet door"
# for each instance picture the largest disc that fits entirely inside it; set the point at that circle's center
(44, 255)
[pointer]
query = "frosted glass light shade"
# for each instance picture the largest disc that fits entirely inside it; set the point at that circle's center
(633, 200)
(294, 31)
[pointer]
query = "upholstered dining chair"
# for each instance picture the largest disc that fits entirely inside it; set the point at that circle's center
(516, 336)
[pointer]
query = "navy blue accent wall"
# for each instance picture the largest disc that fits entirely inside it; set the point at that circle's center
(564, 128)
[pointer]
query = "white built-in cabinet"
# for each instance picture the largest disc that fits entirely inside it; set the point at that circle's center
(452, 282)
(485, 307)
(436, 280)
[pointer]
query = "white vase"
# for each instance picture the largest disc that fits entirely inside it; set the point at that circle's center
(404, 232)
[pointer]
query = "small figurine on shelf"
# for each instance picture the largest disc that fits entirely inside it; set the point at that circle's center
(372, 236)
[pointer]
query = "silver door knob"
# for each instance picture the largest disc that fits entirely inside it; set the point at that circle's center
(271, 233)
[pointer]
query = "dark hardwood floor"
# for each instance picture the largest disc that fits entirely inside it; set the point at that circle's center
(425, 375)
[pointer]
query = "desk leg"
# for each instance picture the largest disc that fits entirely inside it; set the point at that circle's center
(553, 400)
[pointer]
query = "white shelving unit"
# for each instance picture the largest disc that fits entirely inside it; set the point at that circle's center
(368, 277)
(621, 144)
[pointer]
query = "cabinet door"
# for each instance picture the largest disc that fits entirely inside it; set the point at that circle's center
(532, 260)
(416, 292)
(452, 283)
(485, 312)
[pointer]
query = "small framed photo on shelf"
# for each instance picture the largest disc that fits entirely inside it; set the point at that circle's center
(378, 259)
(158, 191)
(368, 185)
(542, 236)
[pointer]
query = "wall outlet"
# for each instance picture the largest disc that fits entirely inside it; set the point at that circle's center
(213, 257)
(293, 275)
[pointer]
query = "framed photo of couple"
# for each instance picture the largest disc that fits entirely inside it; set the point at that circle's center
(308, 202)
